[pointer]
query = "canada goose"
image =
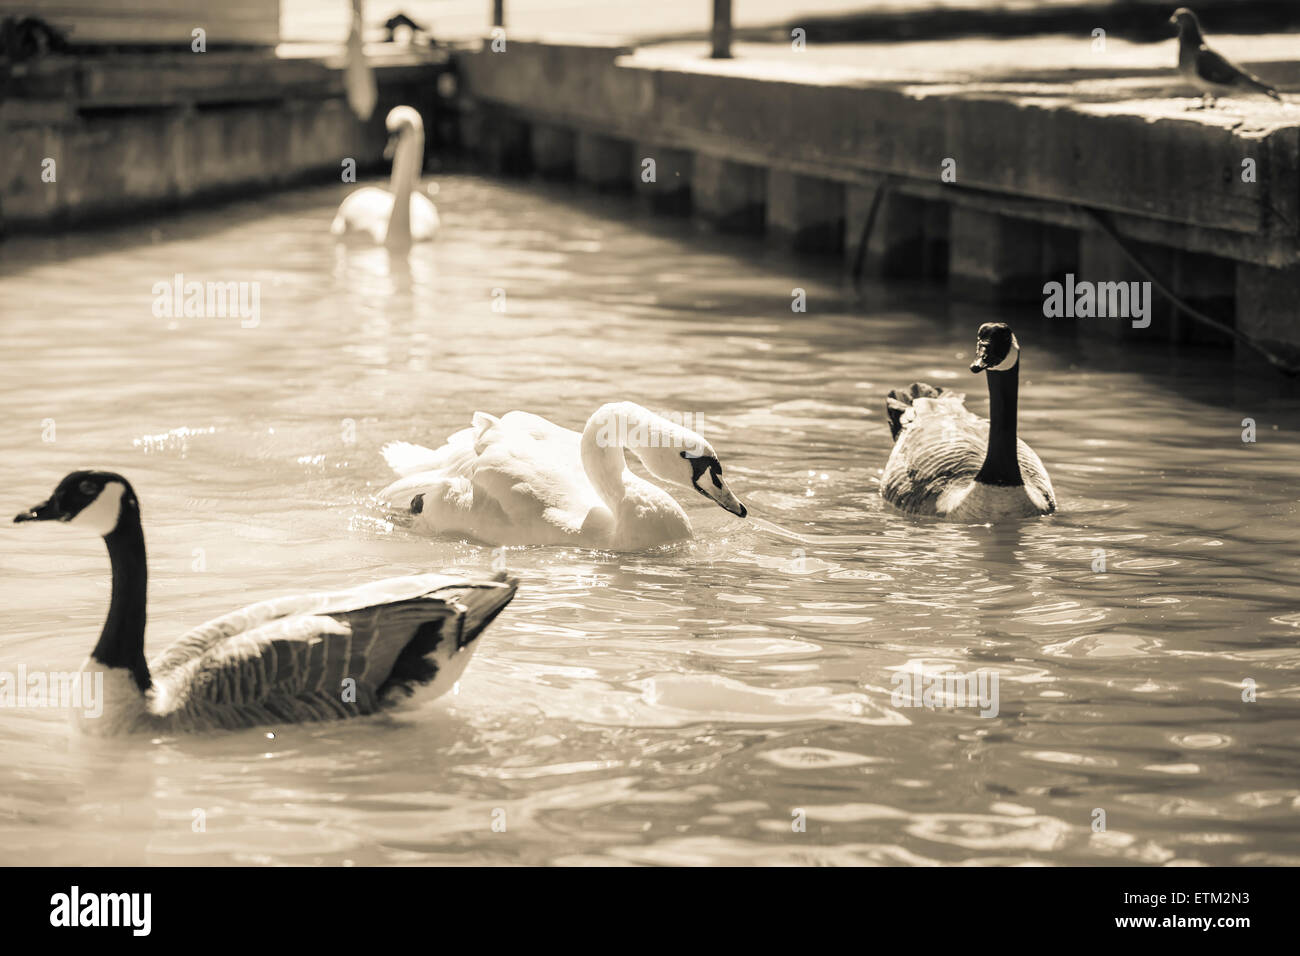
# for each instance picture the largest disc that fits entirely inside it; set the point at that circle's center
(305, 657)
(521, 479)
(402, 213)
(950, 463)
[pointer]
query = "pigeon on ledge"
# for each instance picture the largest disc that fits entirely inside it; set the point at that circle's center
(1209, 72)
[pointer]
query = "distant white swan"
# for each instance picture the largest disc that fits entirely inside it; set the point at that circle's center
(402, 213)
(521, 479)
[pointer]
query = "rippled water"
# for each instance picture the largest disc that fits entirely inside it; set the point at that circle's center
(688, 705)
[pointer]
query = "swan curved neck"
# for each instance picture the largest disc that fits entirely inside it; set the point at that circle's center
(602, 451)
(408, 160)
(1002, 460)
(121, 643)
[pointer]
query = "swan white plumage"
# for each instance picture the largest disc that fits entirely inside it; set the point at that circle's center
(402, 213)
(521, 479)
(304, 657)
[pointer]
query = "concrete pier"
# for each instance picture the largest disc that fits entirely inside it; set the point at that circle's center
(909, 239)
(663, 177)
(552, 149)
(604, 162)
(988, 182)
(997, 258)
(1266, 304)
(806, 213)
(106, 136)
(729, 195)
(991, 159)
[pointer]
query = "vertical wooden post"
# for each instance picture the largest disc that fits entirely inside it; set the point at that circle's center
(721, 29)
(498, 13)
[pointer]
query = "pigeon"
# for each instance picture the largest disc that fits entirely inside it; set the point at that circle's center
(1209, 72)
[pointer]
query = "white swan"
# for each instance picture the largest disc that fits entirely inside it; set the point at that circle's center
(402, 213)
(521, 479)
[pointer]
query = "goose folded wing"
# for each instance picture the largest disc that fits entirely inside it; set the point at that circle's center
(301, 667)
(931, 456)
(303, 644)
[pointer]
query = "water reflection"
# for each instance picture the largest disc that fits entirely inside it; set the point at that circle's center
(673, 706)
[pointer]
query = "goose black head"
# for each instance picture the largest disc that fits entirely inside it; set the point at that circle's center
(1188, 25)
(996, 348)
(89, 499)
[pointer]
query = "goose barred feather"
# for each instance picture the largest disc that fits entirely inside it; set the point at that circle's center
(940, 443)
(286, 659)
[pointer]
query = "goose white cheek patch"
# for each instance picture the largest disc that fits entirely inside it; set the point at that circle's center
(101, 514)
(1013, 356)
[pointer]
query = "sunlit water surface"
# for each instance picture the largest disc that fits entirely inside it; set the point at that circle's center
(688, 705)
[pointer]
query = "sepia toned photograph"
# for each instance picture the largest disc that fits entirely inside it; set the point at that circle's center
(691, 433)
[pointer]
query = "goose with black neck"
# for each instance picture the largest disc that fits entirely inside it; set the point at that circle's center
(950, 463)
(320, 656)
